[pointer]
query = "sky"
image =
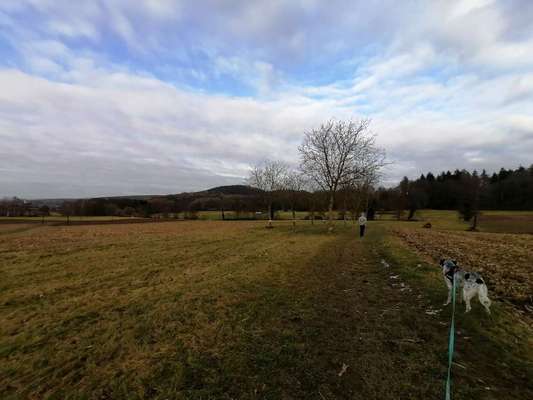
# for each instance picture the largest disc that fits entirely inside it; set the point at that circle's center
(120, 97)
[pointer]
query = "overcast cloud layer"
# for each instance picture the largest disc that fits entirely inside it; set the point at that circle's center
(144, 97)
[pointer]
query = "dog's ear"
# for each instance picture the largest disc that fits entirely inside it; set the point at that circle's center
(442, 261)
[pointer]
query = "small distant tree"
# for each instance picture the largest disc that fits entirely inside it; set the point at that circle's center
(269, 177)
(239, 208)
(339, 154)
(128, 211)
(401, 197)
(44, 210)
(111, 209)
(294, 184)
(412, 196)
(161, 205)
(222, 211)
(469, 206)
(358, 193)
(194, 207)
(67, 209)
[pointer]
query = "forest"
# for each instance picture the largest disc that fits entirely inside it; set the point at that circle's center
(465, 191)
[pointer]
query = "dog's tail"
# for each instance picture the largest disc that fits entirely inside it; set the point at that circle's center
(483, 294)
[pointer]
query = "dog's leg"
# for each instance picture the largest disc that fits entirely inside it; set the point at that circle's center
(483, 297)
(450, 287)
(468, 294)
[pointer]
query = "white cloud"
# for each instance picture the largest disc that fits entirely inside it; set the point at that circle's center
(84, 110)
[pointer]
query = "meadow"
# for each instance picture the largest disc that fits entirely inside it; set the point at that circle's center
(231, 310)
(489, 221)
(61, 218)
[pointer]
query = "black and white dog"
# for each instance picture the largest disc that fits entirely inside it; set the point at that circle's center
(471, 282)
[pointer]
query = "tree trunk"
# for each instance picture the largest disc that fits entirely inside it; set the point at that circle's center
(366, 198)
(293, 218)
(312, 210)
(344, 211)
(357, 208)
(330, 210)
(474, 224)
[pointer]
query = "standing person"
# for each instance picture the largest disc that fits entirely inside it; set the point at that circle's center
(362, 224)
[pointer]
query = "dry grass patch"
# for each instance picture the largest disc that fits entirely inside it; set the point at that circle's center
(86, 305)
(505, 260)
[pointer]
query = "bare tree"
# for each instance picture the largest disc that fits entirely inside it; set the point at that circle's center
(358, 192)
(469, 204)
(294, 184)
(340, 154)
(269, 177)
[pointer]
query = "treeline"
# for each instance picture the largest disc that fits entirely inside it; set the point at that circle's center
(161, 206)
(232, 202)
(242, 201)
(15, 207)
(465, 191)
(509, 189)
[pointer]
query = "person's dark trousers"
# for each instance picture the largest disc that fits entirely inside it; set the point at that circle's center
(362, 230)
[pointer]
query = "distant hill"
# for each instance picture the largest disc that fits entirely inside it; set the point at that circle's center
(237, 198)
(242, 190)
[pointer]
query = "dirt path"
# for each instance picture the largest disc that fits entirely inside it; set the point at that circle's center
(374, 325)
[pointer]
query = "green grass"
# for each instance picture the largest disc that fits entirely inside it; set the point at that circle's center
(506, 213)
(442, 219)
(231, 310)
(280, 215)
(489, 221)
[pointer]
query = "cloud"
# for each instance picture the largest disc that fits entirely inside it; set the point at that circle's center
(119, 122)
(117, 97)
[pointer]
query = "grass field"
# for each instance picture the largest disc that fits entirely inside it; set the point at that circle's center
(231, 310)
(60, 218)
(489, 221)
(280, 215)
(13, 227)
(507, 223)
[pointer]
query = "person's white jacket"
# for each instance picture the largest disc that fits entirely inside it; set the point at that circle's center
(362, 220)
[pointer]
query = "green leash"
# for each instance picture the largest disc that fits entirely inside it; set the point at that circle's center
(451, 344)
